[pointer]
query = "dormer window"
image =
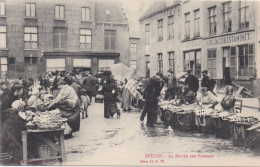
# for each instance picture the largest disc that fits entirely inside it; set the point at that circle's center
(108, 15)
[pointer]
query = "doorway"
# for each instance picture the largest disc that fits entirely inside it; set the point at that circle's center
(226, 66)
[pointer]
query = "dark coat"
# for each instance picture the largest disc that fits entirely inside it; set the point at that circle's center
(7, 100)
(193, 83)
(89, 84)
(77, 89)
(152, 89)
(209, 83)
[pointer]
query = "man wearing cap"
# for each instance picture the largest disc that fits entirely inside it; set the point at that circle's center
(192, 81)
(207, 81)
(172, 83)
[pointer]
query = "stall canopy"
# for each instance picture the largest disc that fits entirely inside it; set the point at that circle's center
(121, 72)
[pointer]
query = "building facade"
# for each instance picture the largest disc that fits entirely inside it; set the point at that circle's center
(160, 38)
(39, 36)
(220, 36)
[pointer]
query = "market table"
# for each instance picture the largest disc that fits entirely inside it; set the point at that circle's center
(42, 136)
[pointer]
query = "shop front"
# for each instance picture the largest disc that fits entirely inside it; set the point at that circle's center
(192, 55)
(232, 58)
(79, 61)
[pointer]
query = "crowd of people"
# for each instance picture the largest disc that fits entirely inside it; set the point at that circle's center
(72, 94)
(186, 92)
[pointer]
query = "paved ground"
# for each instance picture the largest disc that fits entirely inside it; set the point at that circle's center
(103, 141)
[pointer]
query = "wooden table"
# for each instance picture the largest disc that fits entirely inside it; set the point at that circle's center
(39, 135)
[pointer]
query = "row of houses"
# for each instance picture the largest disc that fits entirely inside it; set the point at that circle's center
(39, 36)
(220, 36)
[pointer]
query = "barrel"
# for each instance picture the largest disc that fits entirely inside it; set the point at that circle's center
(186, 120)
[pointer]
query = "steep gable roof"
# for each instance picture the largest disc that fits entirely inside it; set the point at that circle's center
(108, 11)
(154, 8)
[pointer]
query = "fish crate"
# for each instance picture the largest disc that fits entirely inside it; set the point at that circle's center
(239, 134)
(186, 120)
(205, 124)
(166, 117)
(221, 127)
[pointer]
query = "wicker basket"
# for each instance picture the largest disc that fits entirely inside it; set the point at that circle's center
(45, 151)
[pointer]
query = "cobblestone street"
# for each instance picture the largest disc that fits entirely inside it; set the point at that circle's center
(103, 141)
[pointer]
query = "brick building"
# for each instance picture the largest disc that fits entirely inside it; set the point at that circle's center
(39, 36)
(220, 36)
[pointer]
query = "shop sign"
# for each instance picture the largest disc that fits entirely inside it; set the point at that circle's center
(192, 44)
(230, 39)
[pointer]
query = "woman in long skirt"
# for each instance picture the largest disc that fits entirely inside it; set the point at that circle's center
(110, 92)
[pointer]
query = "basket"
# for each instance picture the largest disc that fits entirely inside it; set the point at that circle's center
(99, 98)
(45, 151)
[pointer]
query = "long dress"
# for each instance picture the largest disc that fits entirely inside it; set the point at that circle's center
(110, 98)
(126, 98)
(69, 106)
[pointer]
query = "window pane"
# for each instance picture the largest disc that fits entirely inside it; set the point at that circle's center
(2, 28)
(113, 42)
(34, 37)
(233, 51)
(62, 12)
(192, 55)
(83, 13)
(2, 40)
(88, 32)
(34, 45)
(251, 49)
(88, 40)
(233, 61)
(82, 39)
(3, 68)
(27, 10)
(27, 37)
(56, 41)
(2, 8)
(87, 14)
(106, 42)
(3, 60)
(241, 61)
(250, 60)
(32, 10)
(57, 11)
(198, 55)
(63, 41)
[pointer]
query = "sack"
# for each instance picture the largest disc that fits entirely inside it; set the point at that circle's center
(228, 102)
(66, 127)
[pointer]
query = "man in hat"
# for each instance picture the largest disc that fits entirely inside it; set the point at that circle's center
(151, 93)
(208, 81)
(192, 81)
(172, 83)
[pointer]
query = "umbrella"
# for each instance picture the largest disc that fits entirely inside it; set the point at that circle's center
(121, 72)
